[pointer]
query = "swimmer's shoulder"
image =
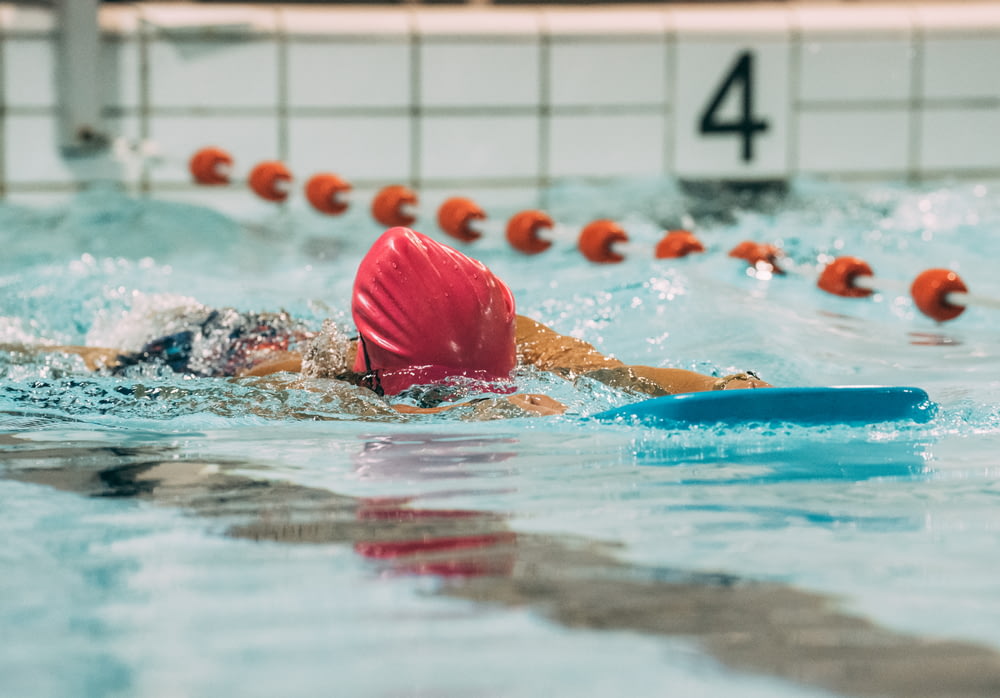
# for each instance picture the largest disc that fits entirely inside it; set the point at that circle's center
(276, 362)
(544, 348)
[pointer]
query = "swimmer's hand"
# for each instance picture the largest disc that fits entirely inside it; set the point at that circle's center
(94, 358)
(542, 405)
(508, 406)
(677, 380)
(275, 362)
(738, 381)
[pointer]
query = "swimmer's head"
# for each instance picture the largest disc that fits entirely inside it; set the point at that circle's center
(425, 312)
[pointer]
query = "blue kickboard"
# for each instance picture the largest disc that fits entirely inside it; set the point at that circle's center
(808, 406)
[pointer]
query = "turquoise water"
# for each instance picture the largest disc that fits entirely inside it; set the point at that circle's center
(125, 574)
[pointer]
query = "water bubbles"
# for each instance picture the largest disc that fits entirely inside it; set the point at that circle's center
(658, 340)
(666, 287)
(13, 331)
(761, 271)
(85, 265)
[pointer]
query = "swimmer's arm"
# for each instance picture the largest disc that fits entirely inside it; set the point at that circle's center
(287, 362)
(275, 362)
(94, 358)
(520, 405)
(544, 348)
(678, 380)
(489, 408)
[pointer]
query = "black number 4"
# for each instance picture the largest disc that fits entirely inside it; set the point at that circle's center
(739, 78)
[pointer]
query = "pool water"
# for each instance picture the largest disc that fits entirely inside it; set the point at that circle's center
(171, 536)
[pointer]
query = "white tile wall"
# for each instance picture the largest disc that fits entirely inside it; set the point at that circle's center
(621, 71)
(611, 145)
(349, 73)
(854, 142)
(957, 139)
(515, 97)
(374, 148)
(960, 68)
(840, 69)
(29, 72)
(199, 73)
(479, 147)
(484, 73)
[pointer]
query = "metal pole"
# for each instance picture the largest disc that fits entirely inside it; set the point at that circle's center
(81, 131)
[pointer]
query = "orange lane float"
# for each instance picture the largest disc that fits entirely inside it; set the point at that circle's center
(271, 180)
(597, 239)
(603, 241)
(758, 254)
(457, 217)
(940, 294)
(395, 206)
(842, 277)
(211, 166)
(327, 193)
(523, 229)
(935, 292)
(677, 243)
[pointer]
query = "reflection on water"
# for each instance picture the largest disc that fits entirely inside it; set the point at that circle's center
(766, 628)
(764, 456)
(427, 456)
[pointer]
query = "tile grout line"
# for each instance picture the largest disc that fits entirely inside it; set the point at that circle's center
(416, 99)
(916, 106)
(488, 111)
(794, 57)
(144, 184)
(4, 41)
(670, 124)
(544, 112)
(282, 110)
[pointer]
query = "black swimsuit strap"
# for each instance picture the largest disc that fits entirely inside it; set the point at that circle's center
(370, 379)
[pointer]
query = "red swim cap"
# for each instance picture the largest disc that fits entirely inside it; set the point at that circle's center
(426, 312)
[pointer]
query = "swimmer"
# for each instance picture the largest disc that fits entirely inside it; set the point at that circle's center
(425, 314)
